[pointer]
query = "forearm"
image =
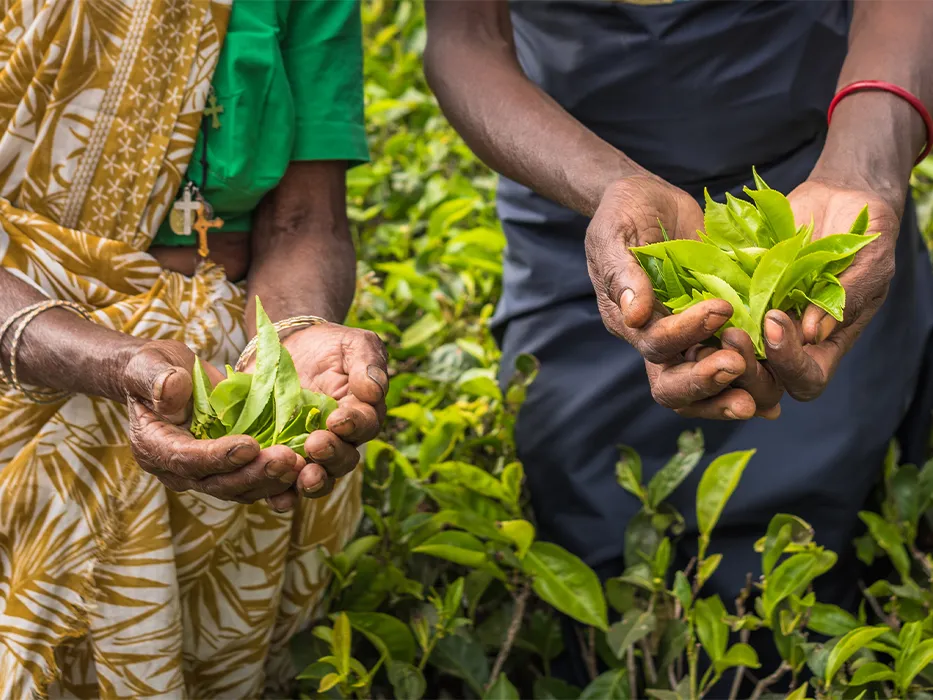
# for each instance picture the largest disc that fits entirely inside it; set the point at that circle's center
(875, 136)
(303, 258)
(61, 350)
(511, 124)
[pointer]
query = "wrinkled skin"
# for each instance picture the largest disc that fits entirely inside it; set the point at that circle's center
(694, 380)
(345, 363)
(804, 354)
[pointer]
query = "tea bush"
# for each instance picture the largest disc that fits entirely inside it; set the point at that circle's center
(447, 592)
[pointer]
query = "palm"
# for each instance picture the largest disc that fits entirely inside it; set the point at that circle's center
(321, 365)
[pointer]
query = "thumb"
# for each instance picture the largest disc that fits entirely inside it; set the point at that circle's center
(161, 384)
(616, 275)
(365, 365)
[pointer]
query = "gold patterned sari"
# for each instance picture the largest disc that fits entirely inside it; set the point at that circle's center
(110, 585)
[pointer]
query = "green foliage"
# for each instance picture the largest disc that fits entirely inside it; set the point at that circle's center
(269, 404)
(447, 590)
(754, 256)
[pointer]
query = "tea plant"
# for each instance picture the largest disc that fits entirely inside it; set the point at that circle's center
(471, 613)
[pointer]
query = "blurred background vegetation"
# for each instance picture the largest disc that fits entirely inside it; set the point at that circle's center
(426, 620)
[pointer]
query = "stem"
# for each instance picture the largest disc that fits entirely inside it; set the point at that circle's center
(672, 676)
(743, 635)
(922, 560)
(876, 607)
(705, 681)
(692, 653)
(651, 674)
(515, 625)
(767, 682)
(632, 679)
(427, 652)
(588, 658)
(591, 659)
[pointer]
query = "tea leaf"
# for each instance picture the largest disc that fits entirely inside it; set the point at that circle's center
(612, 685)
(634, 626)
(847, 646)
(711, 627)
(672, 474)
(716, 487)
(201, 393)
(501, 689)
(860, 225)
(700, 257)
(407, 681)
(564, 581)
(776, 213)
(768, 274)
(287, 391)
(267, 360)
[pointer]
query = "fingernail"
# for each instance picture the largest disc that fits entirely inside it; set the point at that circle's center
(159, 384)
(729, 414)
(378, 375)
(276, 508)
(289, 477)
(774, 332)
(626, 299)
(275, 469)
(714, 321)
(309, 490)
(240, 456)
(824, 328)
(325, 452)
(348, 422)
(724, 376)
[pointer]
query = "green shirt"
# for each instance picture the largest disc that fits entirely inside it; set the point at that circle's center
(290, 82)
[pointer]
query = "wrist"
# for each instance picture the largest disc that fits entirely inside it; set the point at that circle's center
(62, 351)
(872, 143)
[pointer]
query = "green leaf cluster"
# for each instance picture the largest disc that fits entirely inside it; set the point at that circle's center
(269, 404)
(753, 256)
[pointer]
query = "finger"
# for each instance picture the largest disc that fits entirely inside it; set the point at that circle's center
(757, 380)
(617, 276)
(354, 421)
(283, 502)
(679, 385)
(865, 283)
(333, 454)
(731, 404)
(364, 361)
(803, 370)
(281, 477)
(275, 469)
(160, 385)
(162, 447)
(313, 482)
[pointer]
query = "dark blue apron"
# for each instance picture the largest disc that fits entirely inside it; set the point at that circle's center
(697, 92)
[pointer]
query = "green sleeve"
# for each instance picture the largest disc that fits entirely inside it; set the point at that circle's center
(323, 54)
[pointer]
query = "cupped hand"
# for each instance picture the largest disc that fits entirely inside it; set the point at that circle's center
(157, 381)
(805, 353)
(349, 365)
(727, 383)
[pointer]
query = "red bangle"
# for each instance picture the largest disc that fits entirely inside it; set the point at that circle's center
(896, 90)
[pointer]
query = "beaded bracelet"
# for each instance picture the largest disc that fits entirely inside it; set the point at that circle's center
(295, 322)
(28, 315)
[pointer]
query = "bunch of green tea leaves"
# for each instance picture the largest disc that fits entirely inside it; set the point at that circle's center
(269, 404)
(753, 256)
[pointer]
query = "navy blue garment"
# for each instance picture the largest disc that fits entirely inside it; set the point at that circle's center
(697, 92)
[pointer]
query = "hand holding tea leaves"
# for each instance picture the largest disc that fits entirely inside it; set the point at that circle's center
(158, 385)
(805, 354)
(755, 257)
(698, 382)
(270, 401)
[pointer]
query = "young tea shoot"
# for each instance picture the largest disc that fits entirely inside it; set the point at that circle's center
(269, 404)
(754, 256)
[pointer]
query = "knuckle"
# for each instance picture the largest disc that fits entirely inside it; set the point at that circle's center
(661, 395)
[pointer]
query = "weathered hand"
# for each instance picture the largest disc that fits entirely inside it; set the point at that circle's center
(804, 354)
(349, 365)
(157, 380)
(695, 381)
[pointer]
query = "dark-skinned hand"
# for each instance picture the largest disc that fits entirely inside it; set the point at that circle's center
(157, 381)
(349, 365)
(725, 383)
(804, 354)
